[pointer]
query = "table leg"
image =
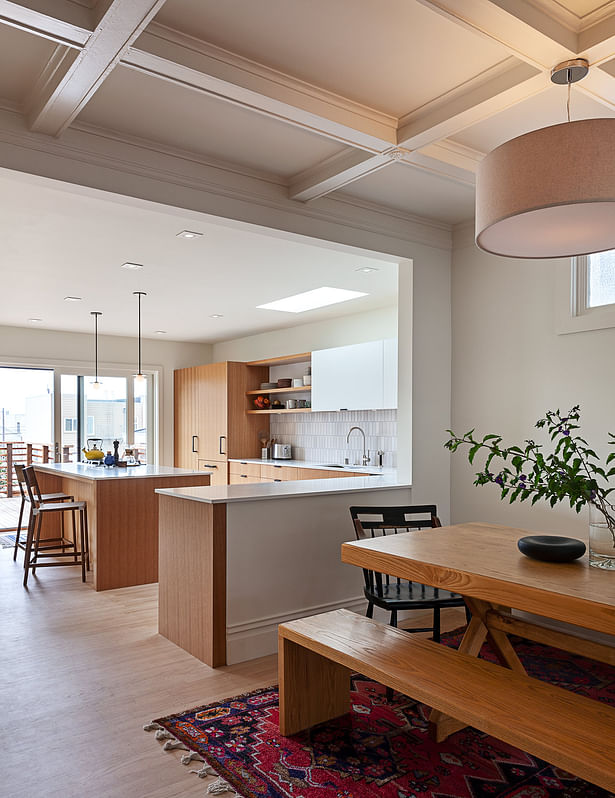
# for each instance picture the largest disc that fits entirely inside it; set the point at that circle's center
(479, 628)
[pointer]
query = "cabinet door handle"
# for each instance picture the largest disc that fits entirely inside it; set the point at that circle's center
(209, 465)
(194, 438)
(222, 438)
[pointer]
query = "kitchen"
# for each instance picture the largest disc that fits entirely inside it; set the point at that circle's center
(282, 479)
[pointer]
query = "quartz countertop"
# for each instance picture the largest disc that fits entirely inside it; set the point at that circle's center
(94, 472)
(354, 469)
(257, 491)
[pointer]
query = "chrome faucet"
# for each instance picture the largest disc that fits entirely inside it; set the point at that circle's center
(365, 457)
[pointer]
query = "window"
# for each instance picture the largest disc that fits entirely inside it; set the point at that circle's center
(585, 293)
(70, 425)
(593, 282)
(600, 279)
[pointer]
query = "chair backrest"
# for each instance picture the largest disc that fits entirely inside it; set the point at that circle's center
(372, 522)
(21, 481)
(31, 482)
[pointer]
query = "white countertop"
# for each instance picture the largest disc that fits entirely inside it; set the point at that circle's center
(257, 491)
(368, 469)
(87, 471)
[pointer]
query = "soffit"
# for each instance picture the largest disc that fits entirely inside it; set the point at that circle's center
(144, 106)
(22, 59)
(547, 108)
(393, 56)
(68, 241)
(414, 191)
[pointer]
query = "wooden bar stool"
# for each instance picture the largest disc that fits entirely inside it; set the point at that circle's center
(47, 497)
(54, 549)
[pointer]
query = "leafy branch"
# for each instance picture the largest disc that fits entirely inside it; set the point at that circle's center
(572, 471)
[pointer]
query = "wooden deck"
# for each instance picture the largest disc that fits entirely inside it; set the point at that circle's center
(9, 512)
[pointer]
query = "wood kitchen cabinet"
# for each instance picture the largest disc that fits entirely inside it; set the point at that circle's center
(211, 423)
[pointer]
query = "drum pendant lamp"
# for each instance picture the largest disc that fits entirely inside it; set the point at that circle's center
(550, 193)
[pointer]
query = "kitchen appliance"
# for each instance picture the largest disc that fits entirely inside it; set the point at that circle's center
(94, 450)
(282, 451)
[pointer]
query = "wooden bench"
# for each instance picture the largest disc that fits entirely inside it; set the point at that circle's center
(318, 654)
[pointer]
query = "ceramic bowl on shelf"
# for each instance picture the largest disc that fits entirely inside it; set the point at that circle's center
(268, 385)
(298, 382)
(284, 383)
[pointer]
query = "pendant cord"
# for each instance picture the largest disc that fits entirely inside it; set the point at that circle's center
(96, 345)
(568, 100)
(139, 334)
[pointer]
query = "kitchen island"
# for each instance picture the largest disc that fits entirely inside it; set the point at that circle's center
(122, 514)
(235, 561)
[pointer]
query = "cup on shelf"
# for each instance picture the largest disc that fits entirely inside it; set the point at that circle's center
(298, 382)
(291, 404)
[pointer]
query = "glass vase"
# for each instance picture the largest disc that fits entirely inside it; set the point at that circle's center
(601, 540)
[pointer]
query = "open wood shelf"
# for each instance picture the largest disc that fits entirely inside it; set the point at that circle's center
(302, 389)
(287, 360)
(281, 410)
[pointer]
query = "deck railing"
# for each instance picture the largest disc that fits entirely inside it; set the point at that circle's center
(25, 453)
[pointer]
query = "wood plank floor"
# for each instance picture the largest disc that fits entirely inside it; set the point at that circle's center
(82, 672)
(9, 513)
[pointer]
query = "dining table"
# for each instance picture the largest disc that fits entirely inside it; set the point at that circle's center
(570, 606)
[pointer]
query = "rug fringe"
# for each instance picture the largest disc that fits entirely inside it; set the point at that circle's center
(152, 726)
(172, 745)
(220, 786)
(205, 771)
(189, 757)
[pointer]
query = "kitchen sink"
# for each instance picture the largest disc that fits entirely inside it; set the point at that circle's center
(332, 465)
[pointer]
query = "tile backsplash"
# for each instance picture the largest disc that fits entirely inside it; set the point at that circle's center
(321, 437)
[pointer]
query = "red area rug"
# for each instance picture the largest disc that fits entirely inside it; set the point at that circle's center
(381, 748)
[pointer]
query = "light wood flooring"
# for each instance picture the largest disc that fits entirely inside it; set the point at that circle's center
(9, 513)
(82, 672)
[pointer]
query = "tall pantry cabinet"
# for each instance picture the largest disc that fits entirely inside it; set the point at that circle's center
(211, 424)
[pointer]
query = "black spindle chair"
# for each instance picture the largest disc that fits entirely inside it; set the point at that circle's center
(390, 593)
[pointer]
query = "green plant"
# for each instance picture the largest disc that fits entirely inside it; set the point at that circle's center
(572, 471)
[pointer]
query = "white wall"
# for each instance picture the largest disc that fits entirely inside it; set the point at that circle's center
(510, 365)
(25, 346)
(352, 329)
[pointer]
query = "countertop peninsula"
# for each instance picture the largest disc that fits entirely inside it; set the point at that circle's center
(258, 491)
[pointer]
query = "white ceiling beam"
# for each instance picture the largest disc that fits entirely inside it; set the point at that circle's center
(447, 159)
(71, 24)
(474, 101)
(67, 87)
(336, 172)
(198, 65)
(597, 43)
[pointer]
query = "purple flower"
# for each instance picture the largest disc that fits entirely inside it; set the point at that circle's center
(522, 477)
(499, 479)
(567, 432)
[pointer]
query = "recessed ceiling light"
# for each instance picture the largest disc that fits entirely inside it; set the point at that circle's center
(35, 321)
(72, 299)
(132, 266)
(309, 300)
(216, 316)
(367, 269)
(161, 332)
(189, 234)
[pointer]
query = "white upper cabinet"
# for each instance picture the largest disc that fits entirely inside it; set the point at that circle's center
(355, 377)
(390, 373)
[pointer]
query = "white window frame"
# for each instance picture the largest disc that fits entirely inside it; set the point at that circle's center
(574, 313)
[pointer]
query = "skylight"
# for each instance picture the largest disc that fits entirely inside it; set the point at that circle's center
(309, 300)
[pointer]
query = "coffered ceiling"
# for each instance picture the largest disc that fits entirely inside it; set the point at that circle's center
(388, 105)
(317, 95)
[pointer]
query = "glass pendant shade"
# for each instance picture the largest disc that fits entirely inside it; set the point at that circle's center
(549, 193)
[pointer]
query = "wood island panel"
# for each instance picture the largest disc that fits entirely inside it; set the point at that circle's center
(192, 593)
(122, 521)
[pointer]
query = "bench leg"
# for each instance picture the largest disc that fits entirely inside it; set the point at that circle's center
(312, 688)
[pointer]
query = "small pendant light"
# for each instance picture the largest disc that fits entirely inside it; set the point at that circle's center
(96, 313)
(139, 375)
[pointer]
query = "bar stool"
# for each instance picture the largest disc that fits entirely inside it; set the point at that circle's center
(47, 497)
(35, 551)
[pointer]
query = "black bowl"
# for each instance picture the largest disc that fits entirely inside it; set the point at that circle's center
(551, 548)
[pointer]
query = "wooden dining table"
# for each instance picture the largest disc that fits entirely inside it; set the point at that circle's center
(507, 593)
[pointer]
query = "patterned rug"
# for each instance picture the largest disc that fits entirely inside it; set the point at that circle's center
(7, 540)
(381, 748)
